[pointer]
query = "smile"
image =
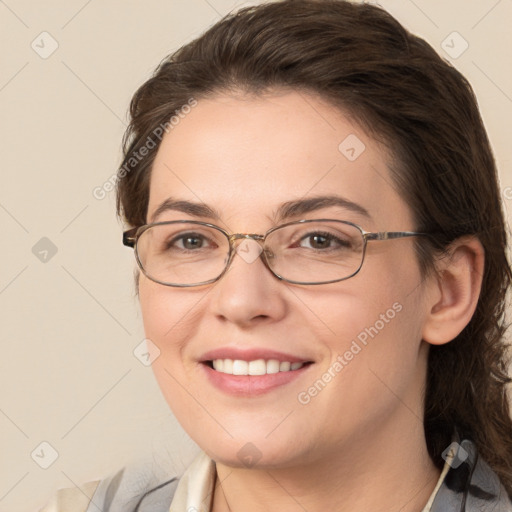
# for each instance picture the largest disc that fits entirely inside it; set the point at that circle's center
(255, 367)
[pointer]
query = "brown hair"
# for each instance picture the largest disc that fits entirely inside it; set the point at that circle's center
(394, 84)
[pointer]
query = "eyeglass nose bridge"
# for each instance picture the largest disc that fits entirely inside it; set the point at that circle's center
(245, 236)
(260, 239)
(264, 254)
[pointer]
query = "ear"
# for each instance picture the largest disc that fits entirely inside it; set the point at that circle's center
(454, 291)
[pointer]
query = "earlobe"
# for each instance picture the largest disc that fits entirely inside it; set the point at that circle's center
(454, 291)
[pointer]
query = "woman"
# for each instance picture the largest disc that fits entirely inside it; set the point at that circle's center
(314, 208)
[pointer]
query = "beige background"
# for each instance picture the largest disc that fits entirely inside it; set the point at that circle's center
(68, 375)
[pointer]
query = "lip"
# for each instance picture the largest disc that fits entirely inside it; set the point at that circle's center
(251, 354)
(251, 385)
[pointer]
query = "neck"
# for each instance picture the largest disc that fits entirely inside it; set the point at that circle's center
(383, 471)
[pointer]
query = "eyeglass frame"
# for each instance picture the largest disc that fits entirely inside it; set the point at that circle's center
(131, 236)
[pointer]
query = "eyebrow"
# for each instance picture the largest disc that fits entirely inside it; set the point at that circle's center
(303, 206)
(285, 211)
(188, 207)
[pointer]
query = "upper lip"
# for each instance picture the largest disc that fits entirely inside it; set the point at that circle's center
(251, 354)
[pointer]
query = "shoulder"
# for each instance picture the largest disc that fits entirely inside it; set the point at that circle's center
(132, 489)
(470, 484)
(72, 500)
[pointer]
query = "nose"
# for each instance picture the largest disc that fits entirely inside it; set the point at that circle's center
(248, 293)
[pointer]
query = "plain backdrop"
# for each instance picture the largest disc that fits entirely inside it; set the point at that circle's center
(69, 320)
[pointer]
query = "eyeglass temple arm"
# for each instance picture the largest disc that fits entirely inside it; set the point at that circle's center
(129, 237)
(390, 235)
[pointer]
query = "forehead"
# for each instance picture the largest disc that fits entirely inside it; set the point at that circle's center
(246, 155)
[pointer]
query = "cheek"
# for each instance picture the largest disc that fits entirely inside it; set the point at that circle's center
(388, 330)
(157, 313)
(373, 362)
(169, 316)
(164, 309)
(170, 322)
(375, 320)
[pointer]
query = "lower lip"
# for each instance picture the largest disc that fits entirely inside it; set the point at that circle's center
(251, 385)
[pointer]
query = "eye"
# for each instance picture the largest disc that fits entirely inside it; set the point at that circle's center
(317, 241)
(190, 242)
(320, 240)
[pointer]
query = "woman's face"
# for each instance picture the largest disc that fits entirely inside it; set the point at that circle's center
(246, 157)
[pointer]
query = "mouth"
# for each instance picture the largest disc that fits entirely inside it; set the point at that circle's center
(255, 367)
(252, 372)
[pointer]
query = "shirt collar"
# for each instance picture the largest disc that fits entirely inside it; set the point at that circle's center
(195, 489)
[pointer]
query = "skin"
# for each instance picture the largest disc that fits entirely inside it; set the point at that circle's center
(245, 156)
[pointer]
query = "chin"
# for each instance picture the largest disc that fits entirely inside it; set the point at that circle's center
(256, 454)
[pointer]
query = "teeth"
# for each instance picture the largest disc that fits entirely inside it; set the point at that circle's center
(285, 366)
(228, 365)
(239, 367)
(256, 367)
(272, 366)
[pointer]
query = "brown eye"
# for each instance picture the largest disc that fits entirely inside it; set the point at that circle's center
(322, 241)
(319, 241)
(189, 242)
(192, 242)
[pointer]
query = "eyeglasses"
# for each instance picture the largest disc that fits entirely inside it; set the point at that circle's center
(187, 253)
